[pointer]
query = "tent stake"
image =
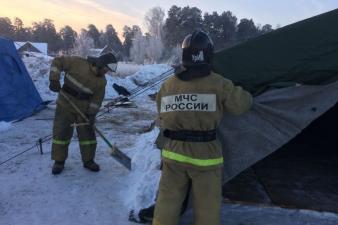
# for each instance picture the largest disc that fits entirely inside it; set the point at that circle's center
(40, 144)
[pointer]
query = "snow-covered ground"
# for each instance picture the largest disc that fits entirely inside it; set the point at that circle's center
(30, 194)
(4, 126)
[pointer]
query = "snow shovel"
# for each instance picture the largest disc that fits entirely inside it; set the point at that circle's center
(115, 152)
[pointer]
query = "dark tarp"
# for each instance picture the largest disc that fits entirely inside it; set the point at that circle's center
(305, 52)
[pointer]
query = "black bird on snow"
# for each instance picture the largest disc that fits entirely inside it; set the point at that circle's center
(121, 90)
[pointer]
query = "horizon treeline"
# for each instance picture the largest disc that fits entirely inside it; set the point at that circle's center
(171, 28)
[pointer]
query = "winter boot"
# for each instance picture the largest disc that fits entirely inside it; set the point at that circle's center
(92, 166)
(58, 167)
(143, 216)
(146, 215)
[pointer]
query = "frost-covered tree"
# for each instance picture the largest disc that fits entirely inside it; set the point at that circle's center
(83, 44)
(68, 36)
(129, 34)
(154, 49)
(154, 20)
(146, 49)
(175, 57)
(138, 48)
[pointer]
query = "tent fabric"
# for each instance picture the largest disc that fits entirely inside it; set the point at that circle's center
(18, 95)
(305, 52)
(293, 73)
(276, 117)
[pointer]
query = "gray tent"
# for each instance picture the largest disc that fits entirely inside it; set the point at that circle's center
(292, 72)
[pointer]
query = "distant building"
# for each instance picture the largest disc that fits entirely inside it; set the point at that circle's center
(107, 49)
(100, 51)
(31, 47)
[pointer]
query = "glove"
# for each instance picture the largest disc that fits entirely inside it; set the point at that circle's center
(54, 85)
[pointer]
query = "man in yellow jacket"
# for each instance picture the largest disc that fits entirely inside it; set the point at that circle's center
(84, 85)
(191, 105)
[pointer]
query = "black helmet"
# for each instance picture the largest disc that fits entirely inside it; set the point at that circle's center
(106, 60)
(197, 49)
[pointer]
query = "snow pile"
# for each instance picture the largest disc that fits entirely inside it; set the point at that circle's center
(4, 126)
(38, 66)
(149, 72)
(145, 172)
(124, 69)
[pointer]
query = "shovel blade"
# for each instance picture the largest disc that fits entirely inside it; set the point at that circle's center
(120, 157)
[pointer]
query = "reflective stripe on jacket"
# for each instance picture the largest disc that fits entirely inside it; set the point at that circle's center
(198, 105)
(81, 77)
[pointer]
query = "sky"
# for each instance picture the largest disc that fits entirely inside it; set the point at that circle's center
(79, 13)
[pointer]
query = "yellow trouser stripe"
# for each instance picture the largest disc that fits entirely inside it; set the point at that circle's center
(91, 142)
(61, 142)
(186, 159)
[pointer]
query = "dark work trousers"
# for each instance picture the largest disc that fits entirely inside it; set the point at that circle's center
(63, 132)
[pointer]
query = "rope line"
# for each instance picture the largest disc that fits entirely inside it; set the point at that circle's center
(44, 139)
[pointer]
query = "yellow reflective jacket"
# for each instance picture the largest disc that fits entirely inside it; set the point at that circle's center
(198, 105)
(81, 77)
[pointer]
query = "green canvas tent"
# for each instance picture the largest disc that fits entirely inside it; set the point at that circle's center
(305, 53)
(292, 73)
